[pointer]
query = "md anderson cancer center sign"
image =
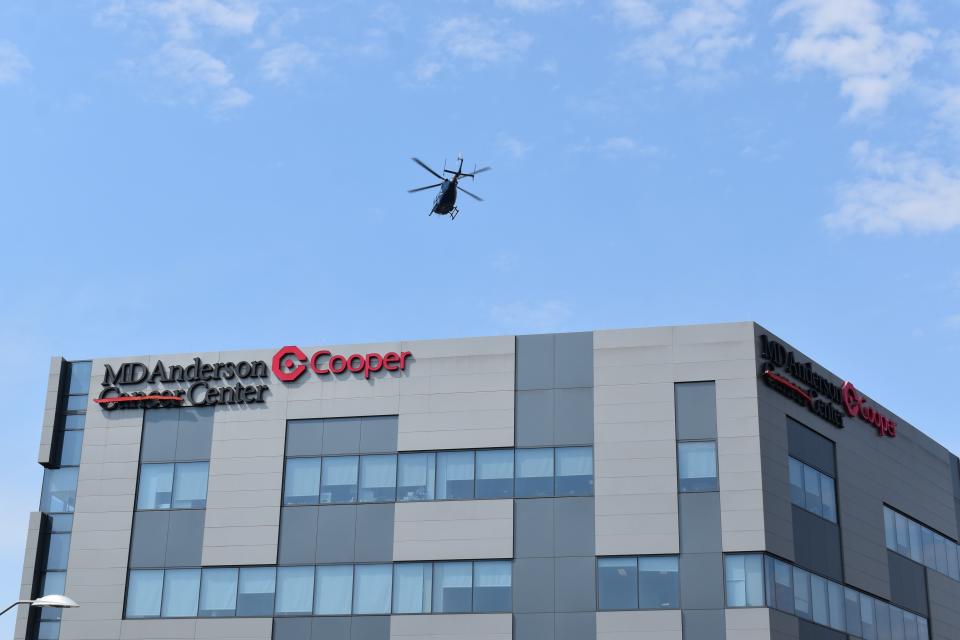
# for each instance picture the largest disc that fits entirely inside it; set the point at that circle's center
(201, 384)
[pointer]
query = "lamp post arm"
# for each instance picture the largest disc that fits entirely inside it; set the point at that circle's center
(18, 602)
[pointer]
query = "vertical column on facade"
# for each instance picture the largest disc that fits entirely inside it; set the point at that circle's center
(554, 540)
(701, 552)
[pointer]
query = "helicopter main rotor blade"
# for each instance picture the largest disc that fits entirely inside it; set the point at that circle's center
(430, 186)
(481, 170)
(424, 165)
(472, 195)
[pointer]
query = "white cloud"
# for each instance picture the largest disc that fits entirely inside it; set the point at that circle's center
(615, 146)
(13, 64)
(526, 316)
(513, 145)
(849, 40)
(200, 72)
(279, 64)
(899, 192)
(699, 35)
(478, 40)
(184, 19)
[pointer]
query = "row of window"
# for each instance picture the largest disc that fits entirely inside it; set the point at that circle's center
(324, 590)
(442, 475)
(646, 582)
(921, 544)
(813, 490)
(169, 485)
(755, 580)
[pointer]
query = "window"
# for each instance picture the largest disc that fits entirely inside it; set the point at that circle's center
(143, 594)
(371, 589)
(412, 586)
(218, 592)
(920, 543)
(659, 583)
(334, 590)
(851, 601)
(70, 445)
(156, 486)
(783, 586)
(574, 471)
(697, 463)
(59, 493)
(534, 473)
(801, 594)
(58, 548)
(819, 601)
(301, 484)
(837, 615)
(491, 587)
(452, 587)
(455, 475)
(180, 589)
(338, 483)
(190, 485)
(812, 490)
(744, 580)
(74, 421)
(617, 583)
(255, 591)
(495, 473)
(378, 478)
(48, 631)
(294, 590)
(80, 378)
(415, 476)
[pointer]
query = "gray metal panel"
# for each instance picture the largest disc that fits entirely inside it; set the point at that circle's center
(955, 476)
(575, 585)
(534, 626)
(695, 404)
(704, 624)
(336, 533)
(341, 436)
(298, 535)
(56, 379)
(194, 433)
(304, 437)
(573, 533)
(944, 595)
(701, 581)
(148, 544)
(810, 631)
(534, 528)
(535, 362)
(185, 538)
(333, 628)
(575, 626)
(160, 427)
(291, 629)
(700, 522)
(368, 628)
(908, 583)
(573, 360)
(531, 580)
(573, 416)
(809, 446)
(378, 434)
(817, 544)
(535, 418)
(374, 533)
(783, 626)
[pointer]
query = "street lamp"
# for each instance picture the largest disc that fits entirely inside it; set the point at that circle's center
(53, 601)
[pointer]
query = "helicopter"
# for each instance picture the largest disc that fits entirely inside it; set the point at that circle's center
(446, 199)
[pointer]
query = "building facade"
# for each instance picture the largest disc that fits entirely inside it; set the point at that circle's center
(674, 483)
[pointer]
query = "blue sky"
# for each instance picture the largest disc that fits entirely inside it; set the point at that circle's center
(181, 175)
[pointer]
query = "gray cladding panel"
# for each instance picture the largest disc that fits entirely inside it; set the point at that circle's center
(533, 528)
(295, 629)
(810, 447)
(148, 544)
(535, 362)
(534, 418)
(817, 544)
(704, 625)
(378, 434)
(575, 626)
(304, 437)
(341, 436)
(573, 360)
(298, 535)
(160, 428)
(701, 581)
(700, 522)
(573, 533)
(194, 433)
(575, 584)
(944, 596)
(337, 534)
(696, 410)
(908, 584)
(334, 628)
(573, 416)
(783, 626)
(534, 626)
(185, 538)
(811, 631)
(368, 628)
(532, 585)
(374, 533)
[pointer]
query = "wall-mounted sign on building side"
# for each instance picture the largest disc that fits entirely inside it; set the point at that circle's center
(803, 382)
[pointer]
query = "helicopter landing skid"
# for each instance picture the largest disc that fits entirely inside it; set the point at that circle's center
(453, 214)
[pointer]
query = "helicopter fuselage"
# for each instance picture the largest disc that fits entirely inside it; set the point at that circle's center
(446, 199)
